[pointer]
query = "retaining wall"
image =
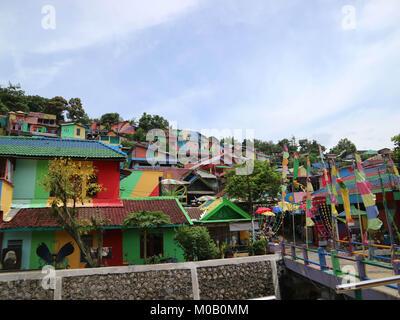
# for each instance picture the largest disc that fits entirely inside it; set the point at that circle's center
(221, 279)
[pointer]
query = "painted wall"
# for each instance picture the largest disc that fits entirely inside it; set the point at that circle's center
(25, 178)
(113, 238)
(131, 245)
(6, 196)
(29, 193)
(48, 237)
(26, 238)
(70, 131)
(108, 176)
(140, 184)
(62, 238)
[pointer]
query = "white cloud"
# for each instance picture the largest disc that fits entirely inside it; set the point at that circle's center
(98, 21)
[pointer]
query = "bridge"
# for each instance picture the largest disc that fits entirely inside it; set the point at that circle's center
(360, 274)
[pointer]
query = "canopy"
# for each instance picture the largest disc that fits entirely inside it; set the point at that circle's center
(354, 212)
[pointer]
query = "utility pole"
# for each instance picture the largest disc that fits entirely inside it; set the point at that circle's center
(250, 203)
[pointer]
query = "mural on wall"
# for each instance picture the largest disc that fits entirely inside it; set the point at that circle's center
(59, 259)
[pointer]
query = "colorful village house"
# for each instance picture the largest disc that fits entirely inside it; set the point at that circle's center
(32, 124)
(226, 222)
(72, 130)
(139, 156)
(30, 227)
(24, 161)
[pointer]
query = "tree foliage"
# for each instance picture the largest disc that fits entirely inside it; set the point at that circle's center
(196, 243)
(75, 111)
(146, 220)
(148, 122)
(71, 182)
(57, 106)
(344, 145)
(109, 119)
(262, 180)
(396, 150)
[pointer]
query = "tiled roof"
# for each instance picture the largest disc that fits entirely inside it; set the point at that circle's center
(39, 217)
(194, 212)
(46, 147)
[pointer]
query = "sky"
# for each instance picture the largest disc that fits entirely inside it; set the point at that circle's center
(320, 69)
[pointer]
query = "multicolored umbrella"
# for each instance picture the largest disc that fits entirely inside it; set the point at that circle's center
(173, 182)
(262, 210)
(206, 198)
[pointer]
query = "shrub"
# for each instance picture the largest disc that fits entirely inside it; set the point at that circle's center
(196, 243)
(257, 247)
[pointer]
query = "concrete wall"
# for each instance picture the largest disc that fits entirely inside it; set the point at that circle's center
(222, 279)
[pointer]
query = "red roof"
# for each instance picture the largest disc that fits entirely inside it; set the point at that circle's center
(194, 212)
(39, 217)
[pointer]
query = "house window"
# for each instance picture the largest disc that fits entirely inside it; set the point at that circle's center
(6, 170)
(78, 131)
(154, 244)
(87, 240)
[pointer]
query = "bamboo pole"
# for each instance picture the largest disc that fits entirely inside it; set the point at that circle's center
(359, 215)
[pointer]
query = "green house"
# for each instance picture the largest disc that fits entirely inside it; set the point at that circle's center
(225, 221)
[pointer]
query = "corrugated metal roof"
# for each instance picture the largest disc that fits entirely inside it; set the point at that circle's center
(46, 147)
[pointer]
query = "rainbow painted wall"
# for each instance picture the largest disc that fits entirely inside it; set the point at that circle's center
(28, 193)
(140, 184)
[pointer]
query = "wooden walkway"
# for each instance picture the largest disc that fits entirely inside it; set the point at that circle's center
(373, 272)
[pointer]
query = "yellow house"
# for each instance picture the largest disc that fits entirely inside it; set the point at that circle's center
(72, 130)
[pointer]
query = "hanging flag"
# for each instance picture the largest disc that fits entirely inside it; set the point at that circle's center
(309, 222)
(295, 166)
(346, 201)
(364, 188)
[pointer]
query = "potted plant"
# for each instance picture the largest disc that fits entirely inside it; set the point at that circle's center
(321, 241)
(126, 261)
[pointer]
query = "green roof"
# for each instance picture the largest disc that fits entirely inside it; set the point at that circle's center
(226, 211)
(39, 147)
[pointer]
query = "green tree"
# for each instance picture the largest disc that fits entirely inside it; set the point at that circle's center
(344, 145)
(75, 111)
(139, 135)
(148, 122)
(109, 119)
(13, 98)
(145, 221)
(56, 106)
(36, 103)
(196, 243)
(71, 182)
(396, 151)
(261, 181)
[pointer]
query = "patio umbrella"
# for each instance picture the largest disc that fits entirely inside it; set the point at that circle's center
(173, 182)
(262, 210)
(206, 198)
(277, 209)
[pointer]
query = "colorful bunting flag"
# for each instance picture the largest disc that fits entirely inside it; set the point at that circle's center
(369, 199)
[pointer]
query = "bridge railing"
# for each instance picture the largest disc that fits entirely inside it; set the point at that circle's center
(336, 258)
(371, 250)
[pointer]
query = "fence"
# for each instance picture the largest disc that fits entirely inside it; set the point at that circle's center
(335, 268)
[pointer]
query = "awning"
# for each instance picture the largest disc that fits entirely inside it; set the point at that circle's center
(242, 226)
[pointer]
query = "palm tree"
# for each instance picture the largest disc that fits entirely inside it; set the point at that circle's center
(146, 220)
